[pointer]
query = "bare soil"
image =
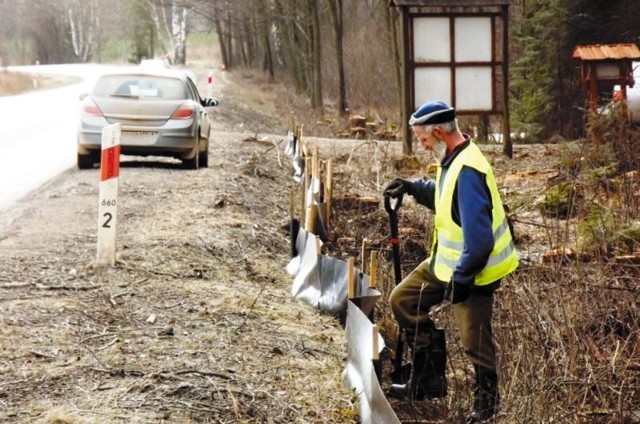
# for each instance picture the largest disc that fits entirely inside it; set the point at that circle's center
(196, 323)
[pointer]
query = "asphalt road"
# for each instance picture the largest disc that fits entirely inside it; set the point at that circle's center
(38, 131)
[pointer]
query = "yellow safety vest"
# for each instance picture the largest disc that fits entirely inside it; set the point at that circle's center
(448, 240)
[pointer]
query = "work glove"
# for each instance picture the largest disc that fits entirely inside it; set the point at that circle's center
(456, 292)
(398, 187)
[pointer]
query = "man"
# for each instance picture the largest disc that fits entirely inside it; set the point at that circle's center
(472, 250)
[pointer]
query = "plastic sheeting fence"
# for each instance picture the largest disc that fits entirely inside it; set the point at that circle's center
(336, 287)
(359, 372)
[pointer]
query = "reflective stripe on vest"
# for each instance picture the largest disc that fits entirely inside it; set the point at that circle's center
(448, 240)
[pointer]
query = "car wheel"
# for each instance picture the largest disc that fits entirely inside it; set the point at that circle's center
(85, 161)
(204, 158)
(194, 162)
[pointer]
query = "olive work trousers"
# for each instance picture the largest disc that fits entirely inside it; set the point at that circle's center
(412, 299)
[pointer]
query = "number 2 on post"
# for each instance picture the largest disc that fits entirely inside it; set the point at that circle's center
(108, 220)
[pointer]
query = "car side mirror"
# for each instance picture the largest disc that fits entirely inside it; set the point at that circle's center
(209, 101)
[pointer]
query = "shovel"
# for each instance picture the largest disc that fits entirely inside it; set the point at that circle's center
(400, 373)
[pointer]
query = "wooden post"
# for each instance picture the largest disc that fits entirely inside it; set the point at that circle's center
(351, 279)
(507, 146)
(375, 355)
(311, 208)
(305, 189)
(373, 270)
(315, 170)
(363, 257)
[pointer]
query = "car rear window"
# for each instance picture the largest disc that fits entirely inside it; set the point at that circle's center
(140, 87)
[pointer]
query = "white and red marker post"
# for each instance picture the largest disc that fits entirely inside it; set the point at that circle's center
(108, 206)
(210, 84)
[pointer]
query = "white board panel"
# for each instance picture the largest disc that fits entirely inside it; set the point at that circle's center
(474, 88)
(432, 84)
(472, 39)
(431, 40)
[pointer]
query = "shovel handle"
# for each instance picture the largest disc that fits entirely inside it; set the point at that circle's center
(395, 242)
(396, 205)
(392, 210)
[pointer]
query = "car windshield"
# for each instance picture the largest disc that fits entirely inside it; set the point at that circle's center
(140, 87)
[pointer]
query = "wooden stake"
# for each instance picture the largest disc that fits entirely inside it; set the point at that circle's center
(303, 197)
(351, 279)
(310, 217)
(375, 355)
(310, 212)
(302, 152)
(363, 255)
(328, 191)
(298, 149)
(315, 172)
(373, 270)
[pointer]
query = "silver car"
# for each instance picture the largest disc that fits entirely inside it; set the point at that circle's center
(160, 111)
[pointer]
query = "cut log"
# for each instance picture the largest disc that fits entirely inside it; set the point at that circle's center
(386, 134)
(564, 255)
(627, 259)
(353, 201)
(358, 132)
(357, 121)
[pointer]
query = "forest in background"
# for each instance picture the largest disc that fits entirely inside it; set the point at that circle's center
(339, 54)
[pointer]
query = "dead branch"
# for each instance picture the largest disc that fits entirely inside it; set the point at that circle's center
(15, 285)
(64, 287)
(366, 143)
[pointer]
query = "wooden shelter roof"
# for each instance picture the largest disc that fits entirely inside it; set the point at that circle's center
(596, 52)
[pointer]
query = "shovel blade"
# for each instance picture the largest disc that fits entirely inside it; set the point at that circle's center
(401, 375)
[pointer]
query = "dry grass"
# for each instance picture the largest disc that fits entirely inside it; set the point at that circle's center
(17, 82)
(14, 82)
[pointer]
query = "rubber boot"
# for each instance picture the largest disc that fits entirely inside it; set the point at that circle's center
(486, 396)
(428, 376)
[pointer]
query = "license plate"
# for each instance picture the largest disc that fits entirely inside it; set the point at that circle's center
(138, 138)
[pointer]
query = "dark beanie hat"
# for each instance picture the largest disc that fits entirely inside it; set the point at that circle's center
(431, 113)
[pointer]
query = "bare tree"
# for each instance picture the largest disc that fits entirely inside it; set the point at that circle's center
(179, 33)
(84, 25)
(290, 38)
(336, 11)
(263, 21)
(316, 55)
(170, 19)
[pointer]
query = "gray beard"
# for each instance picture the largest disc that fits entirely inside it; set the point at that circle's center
(440, 151)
